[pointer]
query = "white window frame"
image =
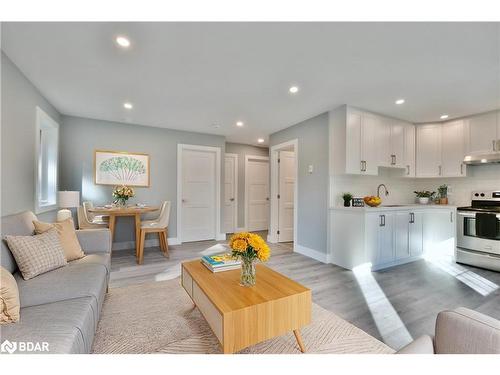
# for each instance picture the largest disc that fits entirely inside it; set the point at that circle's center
(44, 118)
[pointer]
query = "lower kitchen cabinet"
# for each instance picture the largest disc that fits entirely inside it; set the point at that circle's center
(385, 238)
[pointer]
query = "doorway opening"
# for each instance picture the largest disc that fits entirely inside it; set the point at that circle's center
(284, 188)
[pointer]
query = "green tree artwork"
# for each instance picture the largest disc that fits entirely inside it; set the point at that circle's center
(123, 168)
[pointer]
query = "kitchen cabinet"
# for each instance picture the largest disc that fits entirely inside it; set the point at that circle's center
(453, 149)
(387, 236)
(409, 153)
(361, 148)
(428, 150)
(392, 143)
(482, 133)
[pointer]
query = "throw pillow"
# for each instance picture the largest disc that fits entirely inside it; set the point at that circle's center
(67, 235)
(38, 254)
(9, 298)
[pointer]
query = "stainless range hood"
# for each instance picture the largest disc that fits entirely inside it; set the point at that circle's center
(477, 159)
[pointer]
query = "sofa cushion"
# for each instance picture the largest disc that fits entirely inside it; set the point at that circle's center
(37, 254)
(102, 259)
(66, 231)
(67, 326)
(16, 225)
(9, 298)
(73, 281)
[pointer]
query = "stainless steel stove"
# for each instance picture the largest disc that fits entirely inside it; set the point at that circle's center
(478, 232)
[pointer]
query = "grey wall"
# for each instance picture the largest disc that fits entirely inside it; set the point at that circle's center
(312, 199)
(19, 101)
(243, 150)
(81, 136)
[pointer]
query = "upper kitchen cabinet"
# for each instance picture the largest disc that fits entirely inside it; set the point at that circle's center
(441, 149)
(354, 135)
(363, 141)
(482, 133)
(453, 149)
(429, 150)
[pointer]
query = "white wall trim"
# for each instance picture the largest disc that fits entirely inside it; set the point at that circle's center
(126, 245)
(235, 171)
(247, 159)
(273, 223)
(217, 150)
(311, 253)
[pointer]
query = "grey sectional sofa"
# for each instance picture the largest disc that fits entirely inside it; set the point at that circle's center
(62, 306)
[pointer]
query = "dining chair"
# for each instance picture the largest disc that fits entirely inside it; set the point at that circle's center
(87, 220)
(158, 225)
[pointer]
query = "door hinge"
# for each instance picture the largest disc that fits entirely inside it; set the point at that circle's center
(279, 196)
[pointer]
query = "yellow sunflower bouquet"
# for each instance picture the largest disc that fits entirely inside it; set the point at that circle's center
(249, 247)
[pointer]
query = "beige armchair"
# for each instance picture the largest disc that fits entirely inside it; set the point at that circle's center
(459, 331)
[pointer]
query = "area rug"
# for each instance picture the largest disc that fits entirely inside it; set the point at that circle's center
(159, 317)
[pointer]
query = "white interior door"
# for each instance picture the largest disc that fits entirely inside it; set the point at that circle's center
(257, 194)
(198, 195)
(230, 176)
(286, 171)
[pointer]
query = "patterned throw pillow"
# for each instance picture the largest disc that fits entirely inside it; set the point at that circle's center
(35, 255)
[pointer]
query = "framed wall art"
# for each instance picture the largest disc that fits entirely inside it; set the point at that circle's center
(121, 168)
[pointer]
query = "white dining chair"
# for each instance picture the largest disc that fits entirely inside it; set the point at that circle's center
(88, 220)
(158, 225)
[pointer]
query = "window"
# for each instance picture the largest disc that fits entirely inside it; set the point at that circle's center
(47, 142)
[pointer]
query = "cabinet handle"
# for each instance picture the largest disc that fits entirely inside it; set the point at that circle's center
(382, 221)
(412, 218)
(407, 170)
(461, 169)
(494, 145)
(440, 170)
(395, 159)
(451, 217)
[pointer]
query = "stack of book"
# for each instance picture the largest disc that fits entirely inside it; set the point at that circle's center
(221, 262)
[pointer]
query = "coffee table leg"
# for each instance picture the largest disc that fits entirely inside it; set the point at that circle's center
(298, 337)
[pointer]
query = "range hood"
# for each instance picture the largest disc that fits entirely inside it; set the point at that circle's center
(489, 158)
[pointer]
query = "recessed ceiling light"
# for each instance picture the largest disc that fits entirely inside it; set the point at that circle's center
(122, 41)
(260, 140)
(444, 117)
(128, 105)
(239, 123)
(293, 89)
(400, 101)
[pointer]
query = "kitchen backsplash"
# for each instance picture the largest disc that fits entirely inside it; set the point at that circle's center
(486, 177)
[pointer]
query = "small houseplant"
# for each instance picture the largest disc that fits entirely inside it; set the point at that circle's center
(424, 196)
(347, 197)
(121, 194)
(249, 247)
(443, 194)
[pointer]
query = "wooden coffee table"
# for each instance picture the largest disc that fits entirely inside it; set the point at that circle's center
(244, 316)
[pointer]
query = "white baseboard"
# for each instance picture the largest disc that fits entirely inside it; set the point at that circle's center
(125, 245)
(311, 253)
(220, 237)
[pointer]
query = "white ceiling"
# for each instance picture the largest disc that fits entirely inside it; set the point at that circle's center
(190, 76)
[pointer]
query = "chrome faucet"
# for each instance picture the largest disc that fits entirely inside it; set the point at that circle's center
(378, 190)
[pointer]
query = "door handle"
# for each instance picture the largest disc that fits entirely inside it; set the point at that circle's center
(382, 221)
(231, 199)
(266, 198)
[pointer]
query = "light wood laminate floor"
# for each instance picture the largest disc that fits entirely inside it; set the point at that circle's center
(394, 305)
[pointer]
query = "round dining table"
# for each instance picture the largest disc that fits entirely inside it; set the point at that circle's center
(115, 211)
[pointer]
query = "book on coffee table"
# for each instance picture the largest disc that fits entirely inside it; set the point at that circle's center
(220, 262)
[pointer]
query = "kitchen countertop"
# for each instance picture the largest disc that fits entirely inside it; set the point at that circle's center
(398, 208)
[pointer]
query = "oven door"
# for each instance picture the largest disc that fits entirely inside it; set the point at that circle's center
(467, 238)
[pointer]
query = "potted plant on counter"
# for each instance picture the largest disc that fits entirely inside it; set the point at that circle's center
(424, 196)
(347, 197)
(443, 194)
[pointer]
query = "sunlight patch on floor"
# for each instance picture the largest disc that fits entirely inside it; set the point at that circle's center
(444, 260)
(389, 324)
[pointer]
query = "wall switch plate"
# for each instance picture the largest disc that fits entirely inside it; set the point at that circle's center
(310, 169)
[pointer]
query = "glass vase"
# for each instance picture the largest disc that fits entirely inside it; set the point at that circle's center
(247, 277)
(120, 202)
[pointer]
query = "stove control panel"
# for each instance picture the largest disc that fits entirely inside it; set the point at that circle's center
(486, 195)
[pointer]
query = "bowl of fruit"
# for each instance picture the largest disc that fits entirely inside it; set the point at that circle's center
(372, 201)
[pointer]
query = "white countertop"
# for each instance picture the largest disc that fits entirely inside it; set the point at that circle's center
(398, 208)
